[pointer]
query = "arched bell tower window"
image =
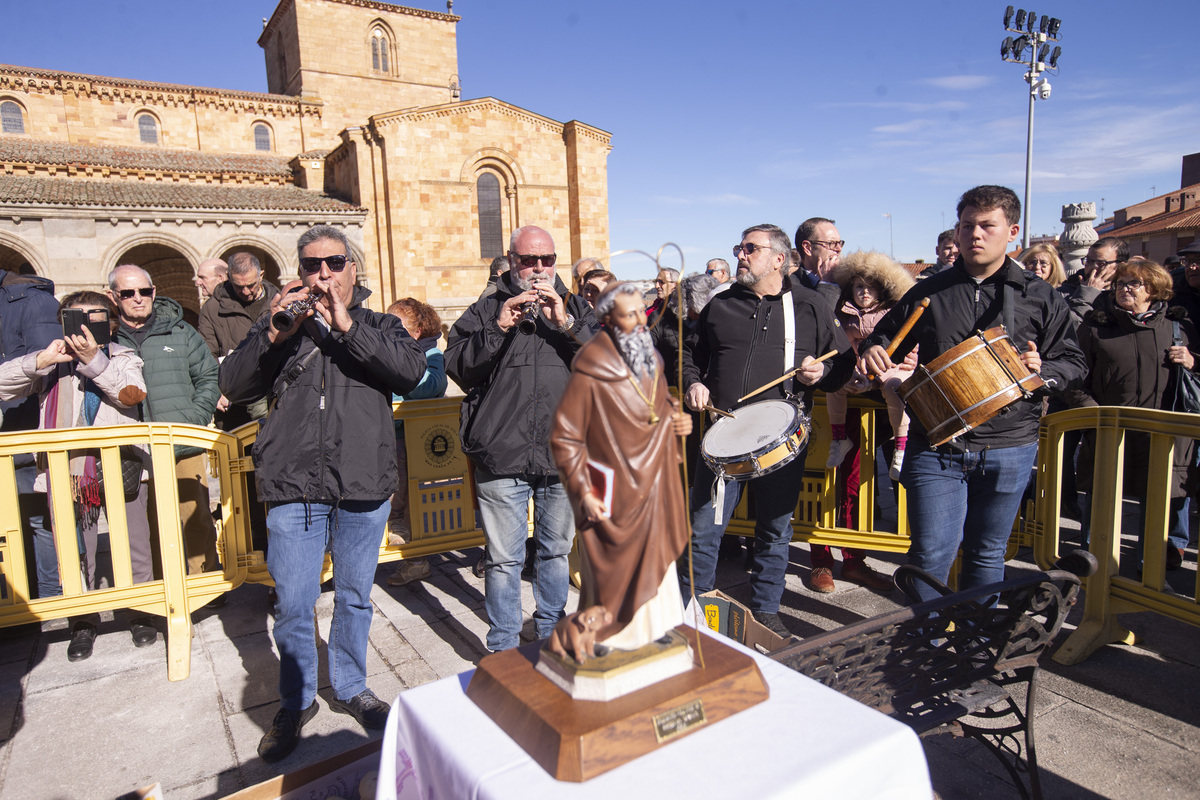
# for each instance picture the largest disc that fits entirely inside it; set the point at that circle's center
(262, 138)
(379, 51)
(491, 231)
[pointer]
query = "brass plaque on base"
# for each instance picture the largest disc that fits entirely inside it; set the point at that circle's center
(575, 740)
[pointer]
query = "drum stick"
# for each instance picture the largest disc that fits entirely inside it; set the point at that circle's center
(717, 411)
(905, 328)
(787, 375)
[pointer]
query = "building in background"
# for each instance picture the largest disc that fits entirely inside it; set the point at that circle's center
(363, 127)
(1163, 225)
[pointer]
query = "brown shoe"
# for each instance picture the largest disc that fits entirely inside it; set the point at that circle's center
(821, 580)
(858, 572)
(1174, 557)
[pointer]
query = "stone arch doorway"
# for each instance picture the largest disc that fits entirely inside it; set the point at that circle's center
(172, 273)
(17, 257)
(272, 273)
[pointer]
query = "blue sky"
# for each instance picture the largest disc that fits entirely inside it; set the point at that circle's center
(727, 114)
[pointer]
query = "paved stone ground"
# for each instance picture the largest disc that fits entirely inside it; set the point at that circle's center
(1124, 724)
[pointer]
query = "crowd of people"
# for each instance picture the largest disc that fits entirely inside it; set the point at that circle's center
(320, 371)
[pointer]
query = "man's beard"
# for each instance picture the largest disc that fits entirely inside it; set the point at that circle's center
(637, 348)
(525, 284)
(747, 278)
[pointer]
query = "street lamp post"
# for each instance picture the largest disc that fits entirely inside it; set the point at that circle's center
(1030, 49)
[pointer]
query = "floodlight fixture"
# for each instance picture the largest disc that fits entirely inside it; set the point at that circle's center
(1043, 52)
(1032, 21)
(1044, 24)
(1020, 19)
(1005, 47)
(1008, 15)
(1055, 24)
(1019, 46)
(1054, 57)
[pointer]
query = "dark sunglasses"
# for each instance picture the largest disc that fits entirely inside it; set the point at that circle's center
(128, 294)
(749, 248)
(527, 262)
(313, 264)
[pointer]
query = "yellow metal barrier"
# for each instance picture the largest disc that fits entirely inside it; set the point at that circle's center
(1108, 593)
(441, 491)
(815, 520)
(172, 597)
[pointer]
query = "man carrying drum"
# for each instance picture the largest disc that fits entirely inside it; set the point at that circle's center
(738, 345)
(968, 490)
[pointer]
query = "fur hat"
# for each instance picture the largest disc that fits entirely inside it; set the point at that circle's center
(892, 279)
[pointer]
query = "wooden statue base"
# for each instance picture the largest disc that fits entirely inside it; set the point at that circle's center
(618, 672)
(575, 740)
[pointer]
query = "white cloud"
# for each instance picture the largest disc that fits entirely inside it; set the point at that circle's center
(728, 199)
(912, 126)
(958, 83)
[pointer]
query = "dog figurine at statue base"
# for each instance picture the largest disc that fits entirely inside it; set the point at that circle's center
(575, 634)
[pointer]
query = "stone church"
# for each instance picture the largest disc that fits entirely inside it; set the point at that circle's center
(363, 128)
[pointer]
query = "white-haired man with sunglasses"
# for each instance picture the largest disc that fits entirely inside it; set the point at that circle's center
(325, 463)
(181, 386)
(511, 352)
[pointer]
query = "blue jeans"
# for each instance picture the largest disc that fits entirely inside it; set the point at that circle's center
(300, 536)
(1179, 529)
(775, 497)
(504, 507)
(34, 518)
(967, 499)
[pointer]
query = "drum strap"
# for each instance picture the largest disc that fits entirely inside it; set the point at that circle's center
(718, 497)
(789, 333)
(1010, 313)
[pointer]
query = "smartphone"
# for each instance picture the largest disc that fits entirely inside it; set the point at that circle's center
(74, 320)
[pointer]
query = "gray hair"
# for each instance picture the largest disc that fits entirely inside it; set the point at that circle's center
(112, 276)
(724, 264)
(575, 270)
(780, 243)
(604, 305)
(673, 274)
(318, 232)
(696, 289)
(242, 264)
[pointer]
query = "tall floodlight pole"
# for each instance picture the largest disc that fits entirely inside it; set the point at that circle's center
(1030, 49)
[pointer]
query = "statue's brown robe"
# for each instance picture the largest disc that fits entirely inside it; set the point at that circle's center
(603, 418)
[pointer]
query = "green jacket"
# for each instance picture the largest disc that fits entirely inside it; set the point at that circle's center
(180, 372)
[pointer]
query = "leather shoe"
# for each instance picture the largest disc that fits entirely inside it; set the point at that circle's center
(82, 636)
(1174, 557)
(285, 733)
(369, 710)
(772, 622)
(821, 580)
(144, 633)
(858, 572)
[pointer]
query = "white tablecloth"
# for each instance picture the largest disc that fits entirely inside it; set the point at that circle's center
(806, 741)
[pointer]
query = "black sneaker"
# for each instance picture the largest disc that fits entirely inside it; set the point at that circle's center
(143, 631)
(369, 710)
(285, 733)
(773, 623)
(82, 637)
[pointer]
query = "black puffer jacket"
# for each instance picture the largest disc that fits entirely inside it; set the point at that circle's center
(737, 345)
(28, 323)
(513, 381)
(960, 307)
(1128, 367)
(330, 437)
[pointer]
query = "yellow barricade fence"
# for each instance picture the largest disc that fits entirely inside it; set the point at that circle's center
(1108, 593)
(175, 595)
(441, 492)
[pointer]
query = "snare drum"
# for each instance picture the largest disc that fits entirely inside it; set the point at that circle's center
(758, 439)
(967, 385)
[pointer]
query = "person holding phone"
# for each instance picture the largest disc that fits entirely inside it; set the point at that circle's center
(81, 382)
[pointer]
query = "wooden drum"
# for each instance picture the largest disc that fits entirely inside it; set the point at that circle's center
(967, 385)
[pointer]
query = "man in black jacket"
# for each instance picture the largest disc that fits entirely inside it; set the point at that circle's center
(511, 352)
(325, 461)
(968, 491)
(737, 346)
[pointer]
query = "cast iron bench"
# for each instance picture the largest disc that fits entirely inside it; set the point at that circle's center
(946, 665)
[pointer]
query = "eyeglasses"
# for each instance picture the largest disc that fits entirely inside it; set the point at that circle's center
(1191, 262)
(1098, 263)
(1132, 286)
(749, 248)
(335, 263)
(834, 245)
(661, 282)
(128, 294)
(714, 272)
(529, 262)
